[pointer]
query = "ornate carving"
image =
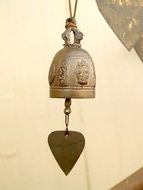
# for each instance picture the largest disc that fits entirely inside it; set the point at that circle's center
(82, 72)
(78, 36)
(74, 75)
(63, 72)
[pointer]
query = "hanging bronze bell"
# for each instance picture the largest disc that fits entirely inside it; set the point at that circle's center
(72, 73)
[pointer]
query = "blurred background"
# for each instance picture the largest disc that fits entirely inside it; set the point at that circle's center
(30, 35)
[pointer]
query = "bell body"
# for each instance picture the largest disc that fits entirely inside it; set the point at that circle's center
(72, 73)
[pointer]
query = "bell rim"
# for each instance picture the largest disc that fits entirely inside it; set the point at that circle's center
(84, 93)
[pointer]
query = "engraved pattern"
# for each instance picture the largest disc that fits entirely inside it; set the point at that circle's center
(82, 72)
(63, 72)
(74, 69)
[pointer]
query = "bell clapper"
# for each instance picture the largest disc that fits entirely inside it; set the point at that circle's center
(67, 111)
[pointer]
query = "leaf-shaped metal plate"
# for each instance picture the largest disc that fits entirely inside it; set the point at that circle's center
(66, 149)
(139, 48)
(125, 17)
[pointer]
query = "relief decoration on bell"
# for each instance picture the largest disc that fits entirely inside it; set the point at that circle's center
(72, 72)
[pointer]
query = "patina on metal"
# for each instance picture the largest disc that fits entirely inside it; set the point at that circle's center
(125, 17)
(66, 148)
(72, 72)
(139, 48)
(133, 182)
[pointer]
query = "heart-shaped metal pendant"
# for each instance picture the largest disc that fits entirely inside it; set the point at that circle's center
(125, 17)
(139, 48)
(66, 148)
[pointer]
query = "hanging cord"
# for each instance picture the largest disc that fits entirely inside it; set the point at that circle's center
(71, 22)
(75, 8)
(70, 9)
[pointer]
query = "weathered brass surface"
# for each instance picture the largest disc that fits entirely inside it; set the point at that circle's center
(66, 148)
(139, 48)
(125, 17)
(72, 73)
(133, 182)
